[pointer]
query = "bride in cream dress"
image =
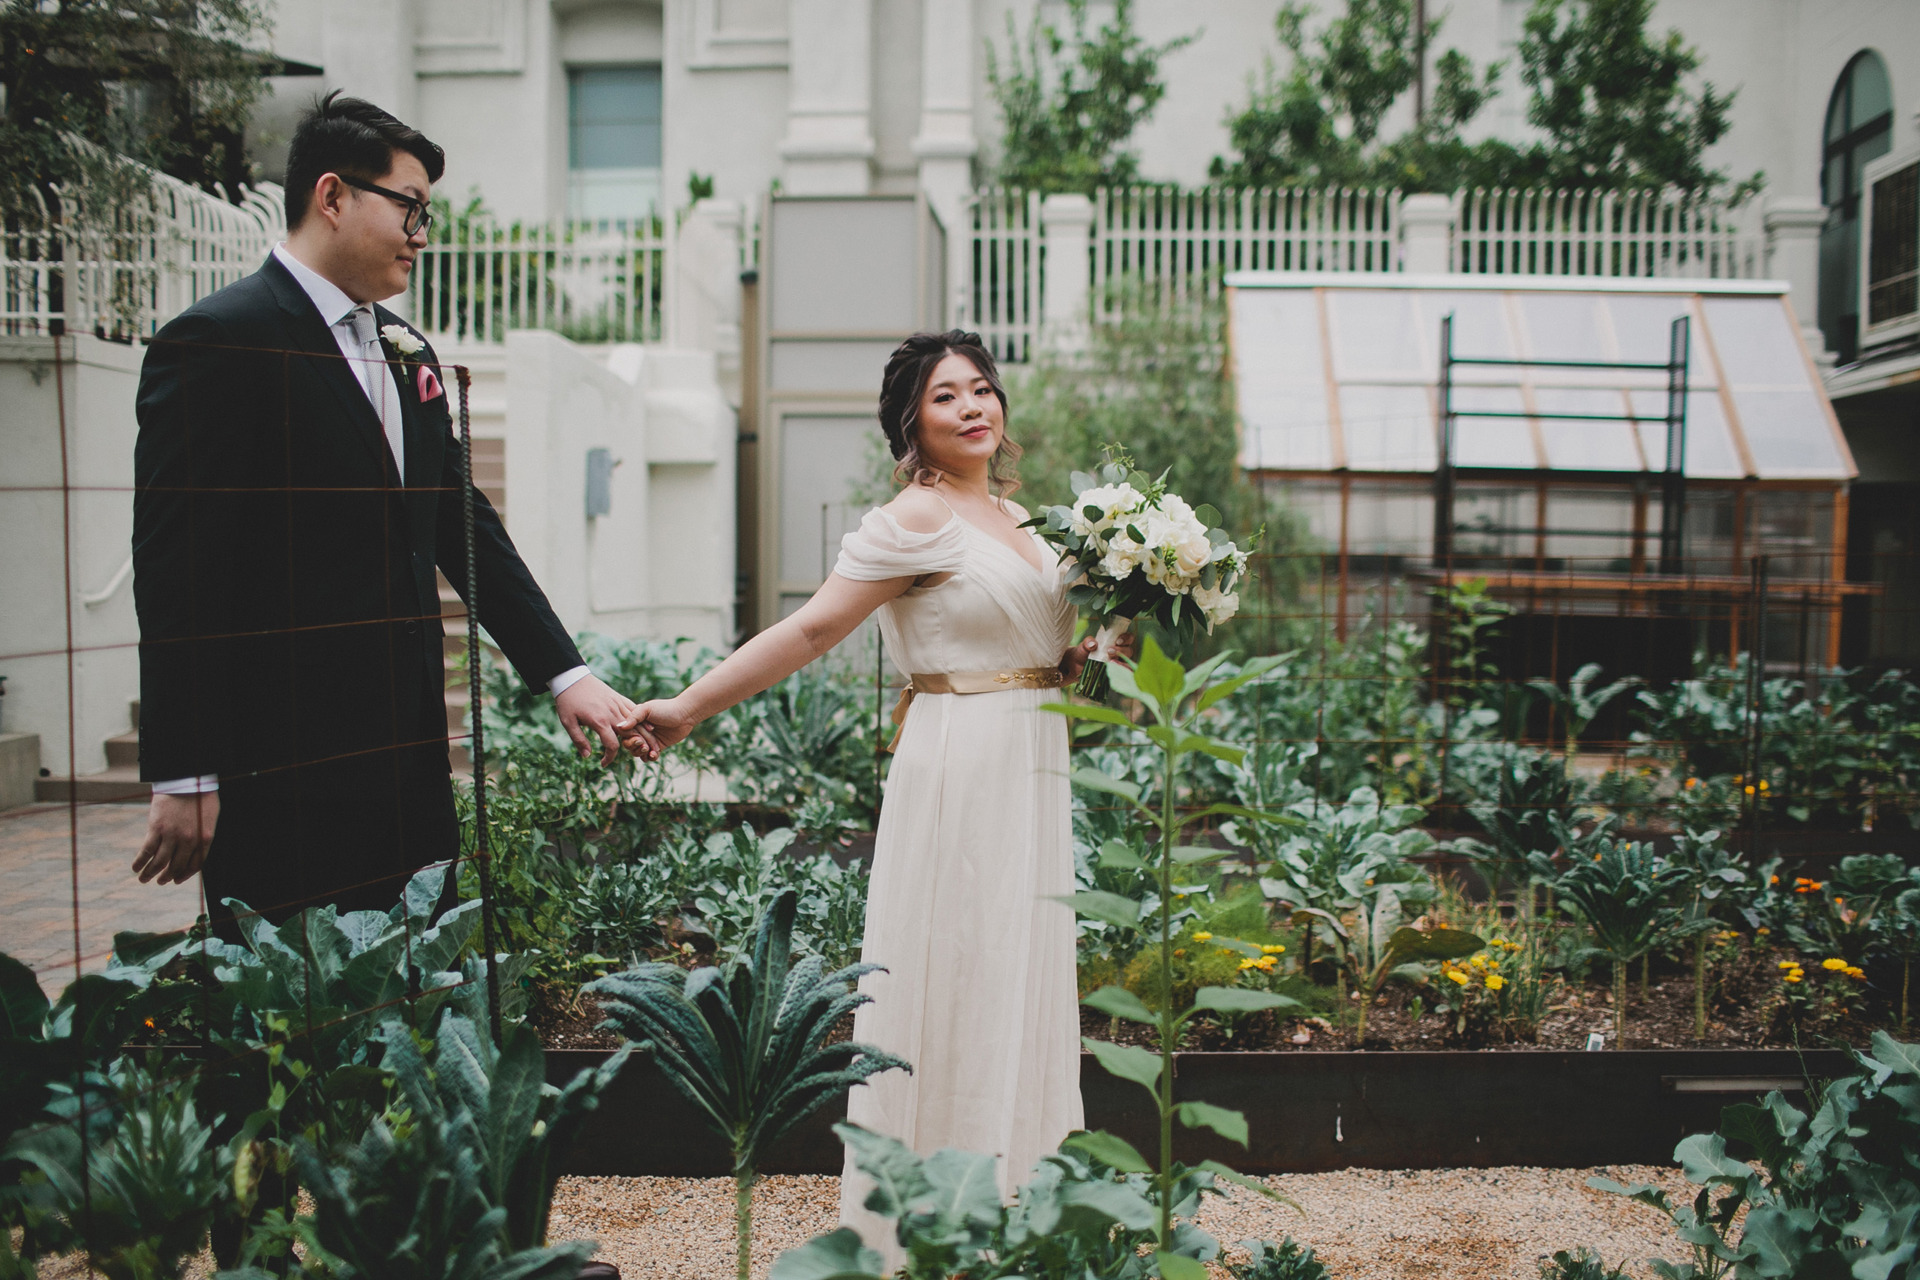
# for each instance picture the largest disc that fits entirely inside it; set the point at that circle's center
(974, 848)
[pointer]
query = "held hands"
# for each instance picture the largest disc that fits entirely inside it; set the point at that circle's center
(179, 830)
(1075, 659)
(654, 727)
(588, 705)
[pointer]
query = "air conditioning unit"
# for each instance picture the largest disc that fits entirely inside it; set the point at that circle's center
(1890, 266)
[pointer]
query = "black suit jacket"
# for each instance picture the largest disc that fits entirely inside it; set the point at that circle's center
(289, 614)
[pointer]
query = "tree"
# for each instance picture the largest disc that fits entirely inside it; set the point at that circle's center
(1320, 123)
(1614, 103)
(167, 83)
(1069, 105)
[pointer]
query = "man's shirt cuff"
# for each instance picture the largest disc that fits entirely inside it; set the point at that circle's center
(567, 679)
(188, 786)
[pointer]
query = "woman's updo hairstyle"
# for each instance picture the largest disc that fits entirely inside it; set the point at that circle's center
(905, 383)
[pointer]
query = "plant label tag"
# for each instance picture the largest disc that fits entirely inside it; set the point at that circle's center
(1595, 1042)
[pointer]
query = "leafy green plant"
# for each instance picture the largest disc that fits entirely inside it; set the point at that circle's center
(1076, 1216)
(1837, 1190)
(497, 1110)
(1709, 878)
(1580, 704)
(1579, 1264)
(136, 1191)
(1528, 800)
(1879, 894)
(1621, 893)
(1288, 1260)
(1071, 101)
(1173, 700)
(743, 1042)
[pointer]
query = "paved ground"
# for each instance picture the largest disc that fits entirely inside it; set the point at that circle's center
(37, 887)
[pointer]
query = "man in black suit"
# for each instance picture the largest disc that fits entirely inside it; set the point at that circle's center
(297, 482)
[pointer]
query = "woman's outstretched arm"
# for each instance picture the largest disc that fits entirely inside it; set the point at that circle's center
(839, 606)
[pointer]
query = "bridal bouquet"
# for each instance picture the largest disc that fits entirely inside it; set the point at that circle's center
(1138, 551)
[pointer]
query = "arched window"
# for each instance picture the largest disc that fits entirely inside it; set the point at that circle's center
(1859, 127)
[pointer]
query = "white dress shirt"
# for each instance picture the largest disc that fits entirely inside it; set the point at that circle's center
(368, 361)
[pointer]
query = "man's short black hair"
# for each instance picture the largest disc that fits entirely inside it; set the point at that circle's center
(355, 139)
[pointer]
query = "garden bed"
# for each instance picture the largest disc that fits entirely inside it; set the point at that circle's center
(1306, 1111)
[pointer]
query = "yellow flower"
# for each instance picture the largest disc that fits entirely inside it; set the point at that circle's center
(1478, 962)
(1763, 784)
(1762, 930)
(1203, 936)
(1692, 783)
(1264, 964)
(1853, 971)
(1749, 790)
(1459, 977)
(1788, 964)
(1835, 964)
(1794, 976)
(1247, 964)
(1495, 982)
(1179, 951)
(1271, 950)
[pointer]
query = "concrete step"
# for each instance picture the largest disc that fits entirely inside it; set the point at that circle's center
(118, 785)
(124, 750)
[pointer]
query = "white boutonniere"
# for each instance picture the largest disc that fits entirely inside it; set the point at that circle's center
(402, 339)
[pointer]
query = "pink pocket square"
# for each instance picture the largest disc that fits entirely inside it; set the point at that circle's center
(427, 385)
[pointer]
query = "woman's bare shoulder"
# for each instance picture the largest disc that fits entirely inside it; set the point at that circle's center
(919, 509)
(1015, 510)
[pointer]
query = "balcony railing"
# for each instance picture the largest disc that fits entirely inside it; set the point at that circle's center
(1150, 246)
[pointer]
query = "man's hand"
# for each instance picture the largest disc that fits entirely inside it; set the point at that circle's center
(588, 705)
(656, 726)
(179, 829)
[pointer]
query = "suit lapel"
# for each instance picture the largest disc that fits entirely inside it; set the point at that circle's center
(309, 333)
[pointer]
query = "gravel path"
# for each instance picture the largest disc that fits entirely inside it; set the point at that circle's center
(1365, 1224)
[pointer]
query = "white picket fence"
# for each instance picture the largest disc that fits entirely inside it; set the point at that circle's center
(591, 281)
(1157, 246)
(122, 270)
(1584, 233)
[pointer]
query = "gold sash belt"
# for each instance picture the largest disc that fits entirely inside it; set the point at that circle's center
(971, 682)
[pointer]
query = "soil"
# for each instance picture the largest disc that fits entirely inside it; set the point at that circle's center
(1737, 1018)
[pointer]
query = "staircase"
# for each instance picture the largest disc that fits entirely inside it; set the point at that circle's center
(119, 783)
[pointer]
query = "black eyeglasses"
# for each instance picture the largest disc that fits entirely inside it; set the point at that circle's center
(419, 216)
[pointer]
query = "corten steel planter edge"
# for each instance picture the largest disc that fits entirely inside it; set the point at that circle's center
(1307, 1112)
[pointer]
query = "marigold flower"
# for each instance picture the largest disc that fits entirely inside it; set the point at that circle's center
(1692, 783)
(1794, 976)
(1203, 936)
(1246, 963)
(1478, 962)
(1773, 879)
(1789, 964)
(1271, 950)
(1854, 971)
(1459, 977)
(1762, 929)
(1179, 951)
(1749, 790)
(1495, 982)
(1763, 784)
(1833, 963)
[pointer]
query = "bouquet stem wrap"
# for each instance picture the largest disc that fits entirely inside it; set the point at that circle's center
(1093, 676)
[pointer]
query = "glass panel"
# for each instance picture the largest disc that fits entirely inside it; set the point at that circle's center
(1282, 388)
(1493, 523)
(1375, 335)
(1388, 428)
(1563, 326)
(1872, 95)
(1793, 529)
(1592, 529)
(1390, 520)
(1587, 446)
(1492, 442)
(1891, 257)
(614, 117)
(1709, 531)
(1755, 342)
(1788, 434)
(1709, 445)
(1643, 331)
(1480, 329)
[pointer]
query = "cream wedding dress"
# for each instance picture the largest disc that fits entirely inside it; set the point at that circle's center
(973, 850)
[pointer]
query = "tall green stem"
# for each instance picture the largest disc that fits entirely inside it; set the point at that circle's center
(1906, 982)
(743, 1221)
(1700, 985)
(1166, 1001)
(1619, 1001)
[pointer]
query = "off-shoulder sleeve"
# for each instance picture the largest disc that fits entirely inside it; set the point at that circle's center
(881, 548)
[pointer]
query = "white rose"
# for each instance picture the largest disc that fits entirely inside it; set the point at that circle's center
(1216, 604)
(1109, 501)
(402, 339)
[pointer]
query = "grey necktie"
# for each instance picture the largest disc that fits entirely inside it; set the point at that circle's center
(377, 381)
